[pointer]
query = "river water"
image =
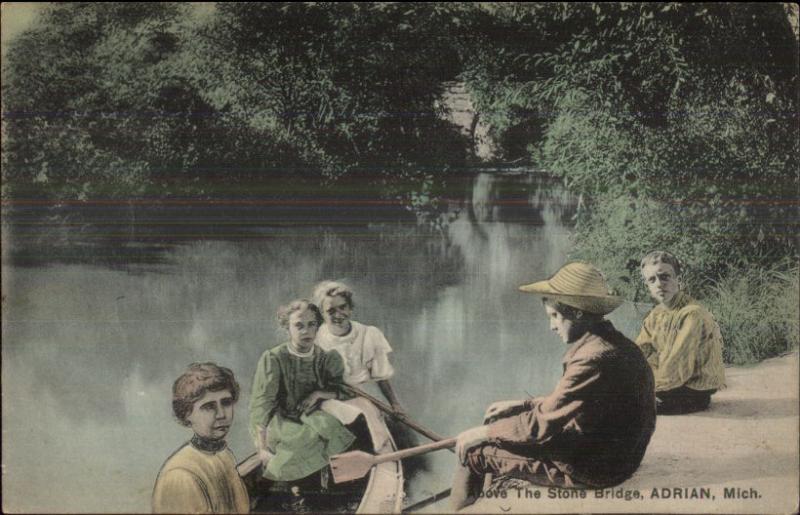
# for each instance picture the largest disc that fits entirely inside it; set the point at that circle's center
(104, 305)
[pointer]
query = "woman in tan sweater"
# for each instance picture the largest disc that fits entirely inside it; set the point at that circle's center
(201, 476)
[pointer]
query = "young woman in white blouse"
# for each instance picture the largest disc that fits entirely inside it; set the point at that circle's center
(365, 352)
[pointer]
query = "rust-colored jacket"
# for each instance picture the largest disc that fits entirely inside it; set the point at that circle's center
(596, 424)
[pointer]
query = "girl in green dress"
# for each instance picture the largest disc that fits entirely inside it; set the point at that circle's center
(293, 437)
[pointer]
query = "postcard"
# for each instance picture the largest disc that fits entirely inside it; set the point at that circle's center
(400, 257)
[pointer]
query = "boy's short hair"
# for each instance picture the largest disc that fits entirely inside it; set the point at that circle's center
(661, 256)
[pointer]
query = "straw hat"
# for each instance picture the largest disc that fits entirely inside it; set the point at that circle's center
(579, 285)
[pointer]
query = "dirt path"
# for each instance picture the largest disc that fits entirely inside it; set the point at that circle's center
(747, 443)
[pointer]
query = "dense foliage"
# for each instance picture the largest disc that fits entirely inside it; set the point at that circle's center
(116, 99)
(91, 101)
(345, 87)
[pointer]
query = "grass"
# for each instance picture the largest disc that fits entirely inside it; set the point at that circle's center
(758, 312)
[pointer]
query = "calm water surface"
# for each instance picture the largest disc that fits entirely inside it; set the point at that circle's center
(99, 319)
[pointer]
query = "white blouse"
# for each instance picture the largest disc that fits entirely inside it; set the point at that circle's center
(364, 350)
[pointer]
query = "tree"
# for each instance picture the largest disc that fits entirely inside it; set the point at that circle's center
(94, 104)
(119, 99)
(348, 87)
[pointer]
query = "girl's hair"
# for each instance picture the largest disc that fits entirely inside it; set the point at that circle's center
(284, 312)
(660, 256)
(332, 289)
(199, 379)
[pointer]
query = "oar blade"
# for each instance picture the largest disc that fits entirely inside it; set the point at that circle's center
(351, 465)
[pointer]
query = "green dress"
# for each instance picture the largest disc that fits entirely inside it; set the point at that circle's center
(301, 443)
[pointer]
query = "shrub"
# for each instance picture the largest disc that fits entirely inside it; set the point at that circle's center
(758, 313)
(129, 98)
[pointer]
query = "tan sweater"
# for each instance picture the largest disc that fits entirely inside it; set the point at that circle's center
(683, 345)
(195, 481)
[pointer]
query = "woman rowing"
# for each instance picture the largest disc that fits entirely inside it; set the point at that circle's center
(365, 352)
(593, 428)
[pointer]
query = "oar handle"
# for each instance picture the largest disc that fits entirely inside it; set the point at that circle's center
(415, 451)
(387, 409)
(248, 465)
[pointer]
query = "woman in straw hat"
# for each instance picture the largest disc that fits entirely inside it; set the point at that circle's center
(593, 428)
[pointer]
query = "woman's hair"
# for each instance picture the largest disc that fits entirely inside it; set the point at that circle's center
(199, 379)
(284, 312)
(660, 256)
(570, 312)
(332, 289)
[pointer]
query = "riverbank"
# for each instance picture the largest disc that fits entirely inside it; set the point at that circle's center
(745, 447)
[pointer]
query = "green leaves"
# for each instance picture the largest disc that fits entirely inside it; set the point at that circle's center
(91, 88)
(173, 89)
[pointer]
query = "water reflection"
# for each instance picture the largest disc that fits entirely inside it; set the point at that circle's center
(90, 351)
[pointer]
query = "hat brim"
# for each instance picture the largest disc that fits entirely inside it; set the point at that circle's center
(598, 304)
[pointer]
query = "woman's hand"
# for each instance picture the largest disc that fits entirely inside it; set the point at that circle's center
(264, 455)
(261, 445)
(502, 409)
(469, 439)
(314, 399)
(398, 410)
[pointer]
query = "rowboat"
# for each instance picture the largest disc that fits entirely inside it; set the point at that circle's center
(381, 491)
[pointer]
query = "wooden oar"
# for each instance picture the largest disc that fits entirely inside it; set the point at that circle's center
(355, 464)
(388, 410)
(248, 465)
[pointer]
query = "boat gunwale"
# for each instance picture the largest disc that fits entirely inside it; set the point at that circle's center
(398, 493)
